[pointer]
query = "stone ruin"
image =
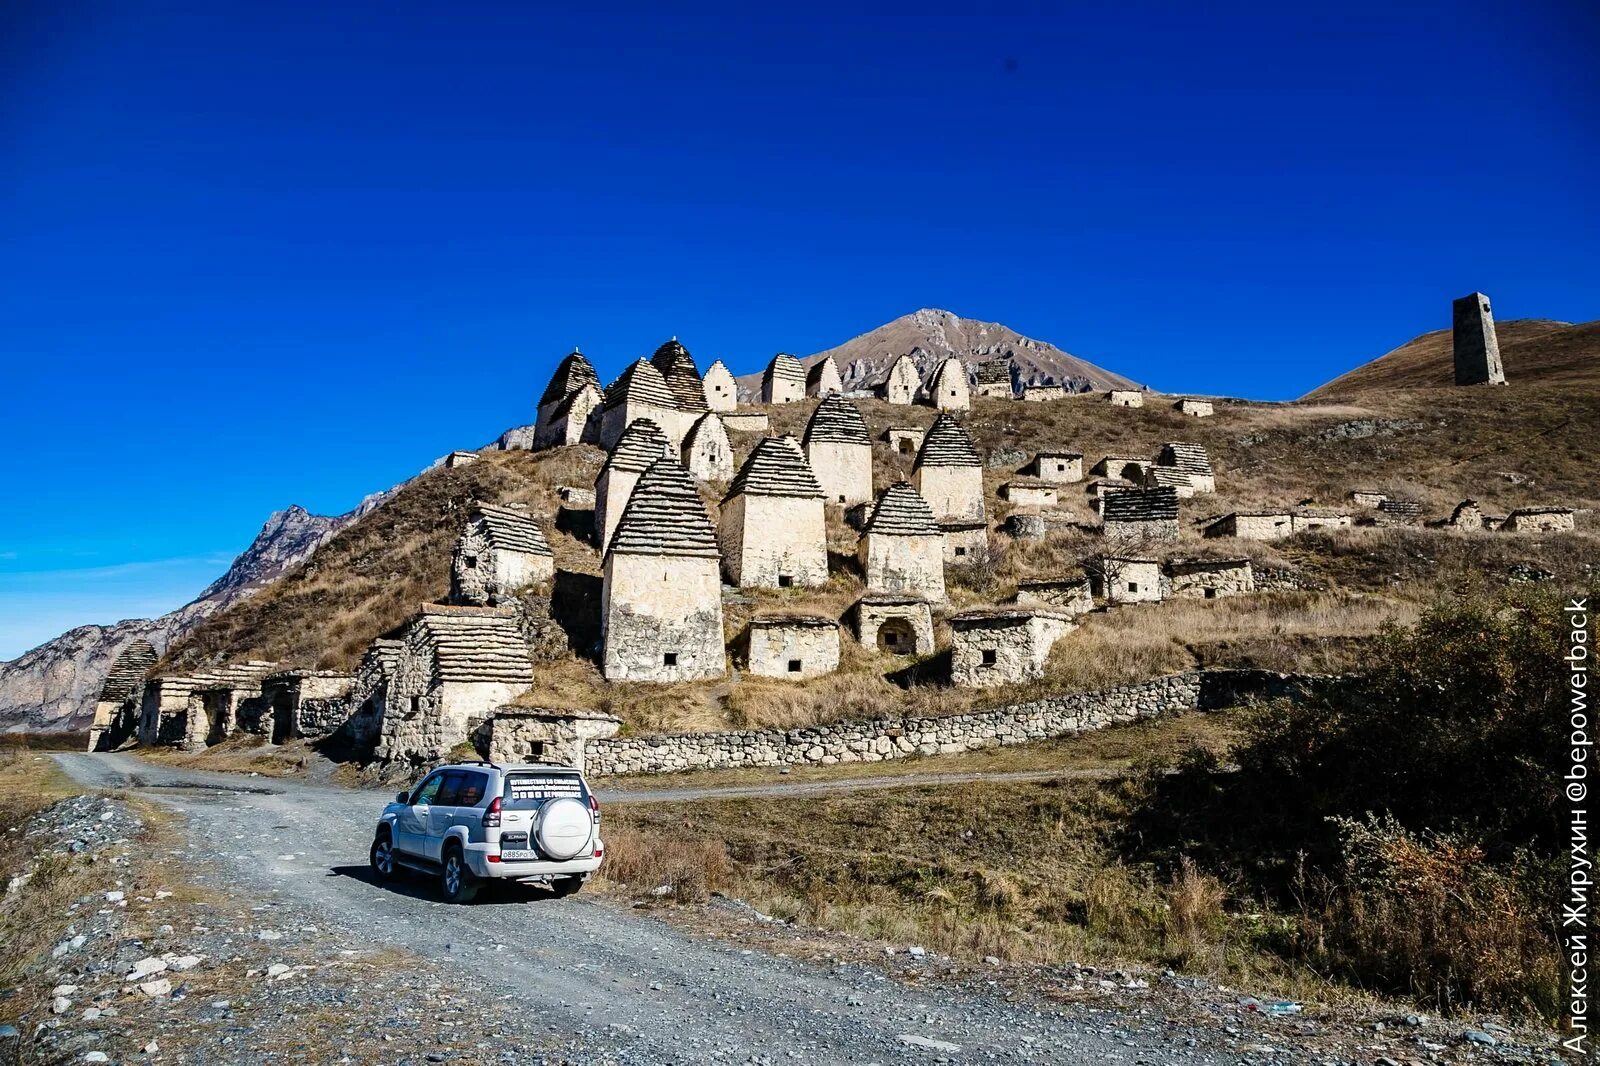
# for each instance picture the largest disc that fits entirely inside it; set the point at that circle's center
(992, 378)
(1030, 493)
(1252, 525)
(1123, 579)
(894, 624)
(839, 450)
(1126, 398)
(1057, 467)
(901, 382)
(1038, 524)
(1003, 645)
(556, 736)
(1539, 520)
(1194, 408)
(164, 710)
(1477, 348)
(1467, 516)
(822, 378)
(721, 391)
(901, 550)
(1209, 578)
(1071, 596)
(1394, 511)
(794, 647)
(304, 704)
(947, 386)
(568, 403)
(640, 392)
(457, 459)
(1140, 515)
(905, 440)
(784, 380)
(747, 422)
(1367, 497)
(772, 530)
(501, 550)
(1320, 519)
(1042, 393)
(1192, 460)
(116, 711)
(639, 447)
(222, 701)
(707, 453)
(1129, 468)
(948, 472)
(1100, 488)
(661, 597)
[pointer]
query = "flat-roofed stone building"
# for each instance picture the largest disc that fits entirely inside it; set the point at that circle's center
(1192, 460)
(1141, 515)
(556, 735)
(947, 386)
(457, 459)
(784, 380)
(567, 402)
(1030, 493)
(1539, 520)
(1123, 579)
(948, 473)
(640, 445)
(707, 453)
(794, 647)
(116, 710)
(1477, 348)
(1320, 519)
(1100, 488)
(217, 702)
(901, 383)
(1003, 645)
(773, 532)
(992, 378)
(1129, 468)
(901, 550)
(304, 704)
(721, 391)
(747, 421)
(905, 440)
(641, 392)
(1194, 408)
(1059, 468)
(1252, 525)
(965, 541)
(839, 449)
(822, 378)
(1072, 596)
(661, 594)
(1126, 398)
(1043, 393)
(500, 550)
(894, 624)
(682, 378)
(164, 709)
(1208, 579)
(1367, 497)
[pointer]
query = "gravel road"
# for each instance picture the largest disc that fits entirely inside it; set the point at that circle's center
(618, 986)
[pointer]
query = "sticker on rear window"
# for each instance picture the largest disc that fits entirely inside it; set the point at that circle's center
(524, 788)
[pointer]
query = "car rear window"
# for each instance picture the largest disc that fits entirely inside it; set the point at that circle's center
(530, 788)
(472, 786)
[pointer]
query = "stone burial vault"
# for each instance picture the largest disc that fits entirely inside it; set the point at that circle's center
(901, 550)
(772, 529)
(791, 646)
(839, 449)
(639, 446)
(501, 550)
(568, 403)
(1003, 645)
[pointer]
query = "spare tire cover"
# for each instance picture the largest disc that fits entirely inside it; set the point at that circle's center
(563, 829)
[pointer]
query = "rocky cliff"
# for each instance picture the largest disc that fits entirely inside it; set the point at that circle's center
(54, 686)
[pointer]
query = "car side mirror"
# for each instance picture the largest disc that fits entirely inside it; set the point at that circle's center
(404, 797)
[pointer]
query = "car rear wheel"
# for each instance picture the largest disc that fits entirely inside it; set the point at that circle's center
(565, 886)
(382, 858)
(456, 881)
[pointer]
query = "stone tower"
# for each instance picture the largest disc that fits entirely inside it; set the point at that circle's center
(564, 408)
(949, 473)
(641, 392)
(772, 531)
(642, 443)
(661, 596)
(722, 393)
(784, 380)
(822, 378)
(707, 455)
(947, 388)
(682, 377)
(900, 384)
(1476, 346)
(839, 450)
(902, 548)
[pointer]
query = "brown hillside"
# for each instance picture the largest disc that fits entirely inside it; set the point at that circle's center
(1533, 349)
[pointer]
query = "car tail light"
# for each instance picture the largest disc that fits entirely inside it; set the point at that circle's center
(598, 851)
(491, 817)
(594, 805)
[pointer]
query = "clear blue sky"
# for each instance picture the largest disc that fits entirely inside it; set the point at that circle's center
(254, 255)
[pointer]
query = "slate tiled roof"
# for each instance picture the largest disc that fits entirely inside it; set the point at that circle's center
(641, 444)
(1169, 477)
(126, 676)
(665, 516)
(1190, 458)
(992, 372)
(836, 419)
(776, 467)
(640, 383)
(572, 374)
(1141, 505)
(947, 444)
(902, 512)
(681, 375)
(509, 529)
(1400, 510)
(784, 367)
(475, 644)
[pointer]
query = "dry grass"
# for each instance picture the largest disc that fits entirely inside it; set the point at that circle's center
(246, 753)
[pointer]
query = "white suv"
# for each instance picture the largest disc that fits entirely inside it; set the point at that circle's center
(471, 822)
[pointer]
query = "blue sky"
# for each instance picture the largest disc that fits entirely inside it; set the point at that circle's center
(255, 255)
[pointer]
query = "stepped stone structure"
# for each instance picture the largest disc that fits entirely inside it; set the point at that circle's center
(682, 378)
(1129, 468)
(707, 454)
(1539, 520)
(794, 647)
(116, 712)
(639, 446)
(1194, 408)
(902, 547)
(894, 624)
(772, 530)
(1252, 525)
(1169, 477)
(992, 378)
(1122, 579)
(947, 387)
(1030, 493)
(454, 666)
(661, 596)
(1071, 597)
(564, 409)
(948, 473)
(822, 379)
(1395, 511)
(457, 459)
(905, 440)
(221, 701)
(1100, 488)
(1477, 348)
(721, 391)
(641, 392)
(1003, 645)
(839, 449)
(1141, 514)
(1209, 578)
(901, 383)
(501, 550)
(1043, 393)
(1126, 398)
(1367, 497)
(559, 735)
(784, 380)
(1192, 460)
(747, 421)
(304, 704)
(1056, 467)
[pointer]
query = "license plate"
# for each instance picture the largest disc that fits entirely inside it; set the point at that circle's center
(517, 855)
